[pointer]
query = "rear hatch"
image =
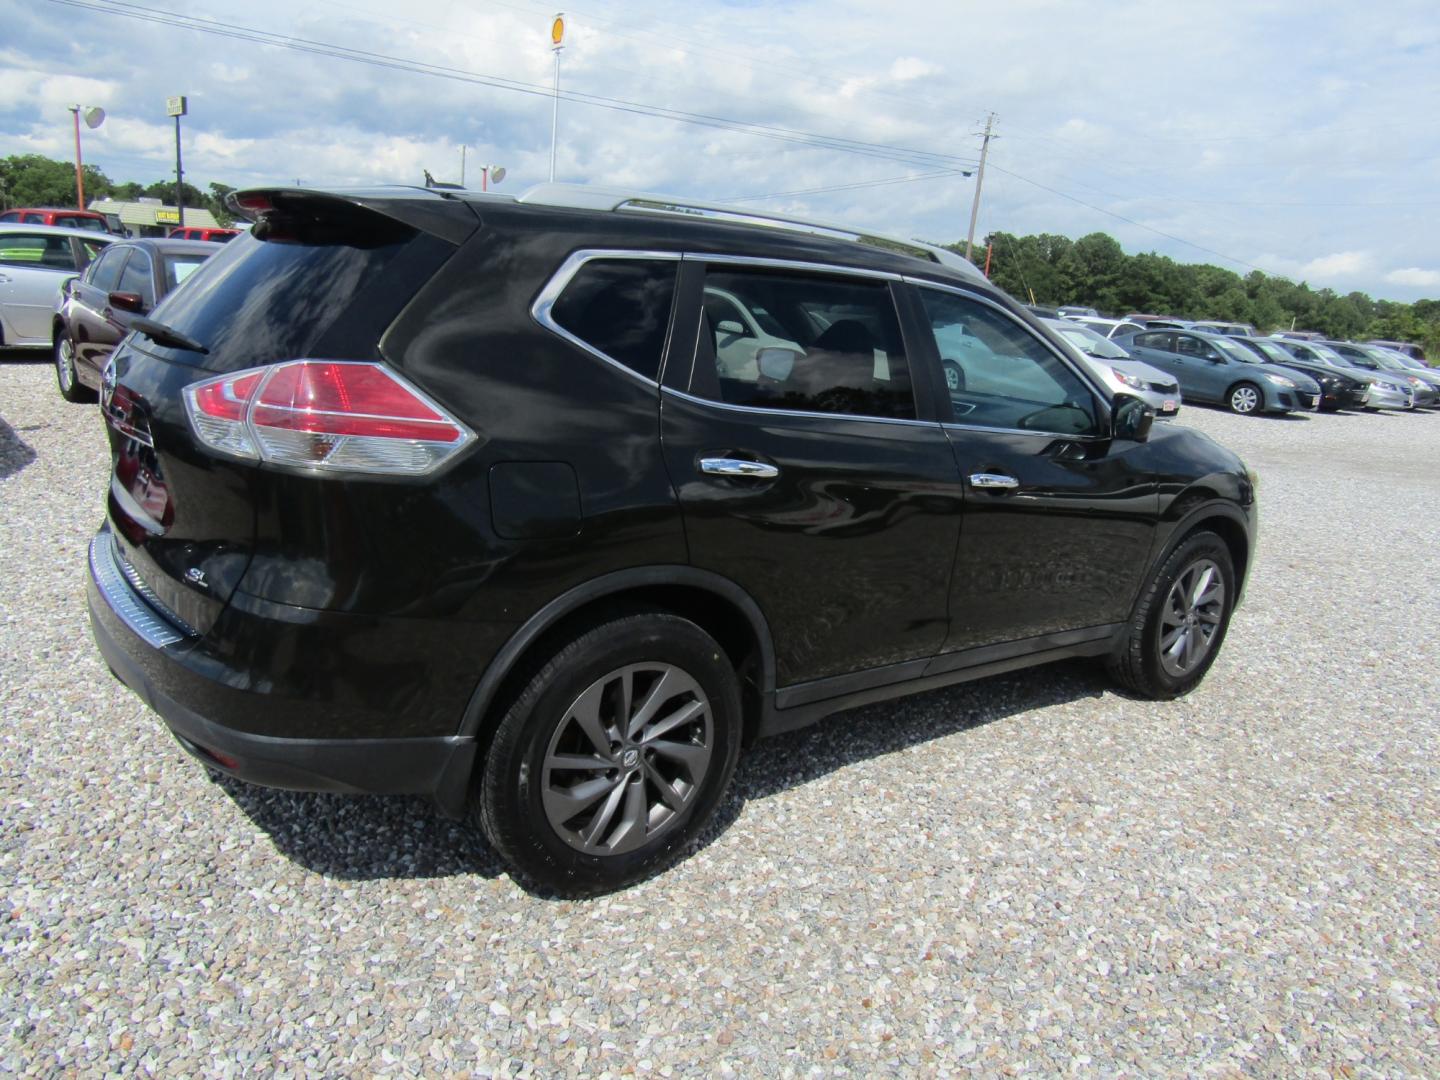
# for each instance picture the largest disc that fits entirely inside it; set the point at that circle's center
(319, 276)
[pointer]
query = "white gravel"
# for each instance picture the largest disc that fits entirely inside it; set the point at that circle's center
(1031, 874)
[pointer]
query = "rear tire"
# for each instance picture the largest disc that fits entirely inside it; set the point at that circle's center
(613, 757)
(1179, 621)
(66, 377)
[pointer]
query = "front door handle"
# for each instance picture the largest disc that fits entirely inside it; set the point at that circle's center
(738, 467)
(993, 481)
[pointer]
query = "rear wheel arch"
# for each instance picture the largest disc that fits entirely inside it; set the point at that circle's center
(714, 603)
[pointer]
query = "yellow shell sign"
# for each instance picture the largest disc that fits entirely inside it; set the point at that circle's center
(557, 31)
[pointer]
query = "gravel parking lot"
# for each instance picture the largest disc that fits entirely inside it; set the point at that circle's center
(1030, 874)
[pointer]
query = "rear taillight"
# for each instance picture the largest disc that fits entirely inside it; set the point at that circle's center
(328, 415)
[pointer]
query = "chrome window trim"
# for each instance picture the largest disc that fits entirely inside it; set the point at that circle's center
(760, 410)
(950, 425)
(1085, 377)
(792, 264)
(542, 310)
(123, 600)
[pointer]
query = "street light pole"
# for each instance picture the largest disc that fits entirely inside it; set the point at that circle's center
(557, 39)
(979, 180)
(79, 169)
(94, 117)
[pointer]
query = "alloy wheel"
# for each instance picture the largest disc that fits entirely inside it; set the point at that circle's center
(627, 758)
(1192, 616)
(65, 364)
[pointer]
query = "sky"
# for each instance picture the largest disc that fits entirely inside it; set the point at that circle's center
(1300, 138)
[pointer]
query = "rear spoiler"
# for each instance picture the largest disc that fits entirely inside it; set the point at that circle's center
(422, 209)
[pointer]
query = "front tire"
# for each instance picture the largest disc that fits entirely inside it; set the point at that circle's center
(613, 756)
(1180, 620)
(1245, 398)
(66, 378)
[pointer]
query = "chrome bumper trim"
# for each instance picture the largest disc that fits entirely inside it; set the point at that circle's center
(133, 611)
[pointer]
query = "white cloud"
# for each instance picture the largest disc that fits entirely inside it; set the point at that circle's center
(1220, 146)
(1341, 264)
(1414, 275)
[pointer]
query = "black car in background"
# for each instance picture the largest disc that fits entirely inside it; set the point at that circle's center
(96, 309)
(431, 492)
(1337, 389)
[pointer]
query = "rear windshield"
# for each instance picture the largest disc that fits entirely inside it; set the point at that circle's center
(260, 301)
(180, 267)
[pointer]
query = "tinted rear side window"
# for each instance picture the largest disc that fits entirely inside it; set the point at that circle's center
(258, 301)
(621, 308)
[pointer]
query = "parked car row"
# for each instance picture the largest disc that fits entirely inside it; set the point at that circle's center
(1228, 363)
(46, 269)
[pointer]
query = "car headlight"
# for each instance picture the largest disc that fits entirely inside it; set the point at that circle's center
(1281, 380)
(1388, 386)
(1132, 381)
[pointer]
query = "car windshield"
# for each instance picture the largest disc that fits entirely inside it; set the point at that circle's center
(1235, 351)
(1087, 341)
(1273, 352)
(1384, 359)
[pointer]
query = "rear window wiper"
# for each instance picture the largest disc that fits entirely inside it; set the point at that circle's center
(161, 334)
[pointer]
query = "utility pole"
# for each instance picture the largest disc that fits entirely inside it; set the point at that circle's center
(462, 164)
(979, 180)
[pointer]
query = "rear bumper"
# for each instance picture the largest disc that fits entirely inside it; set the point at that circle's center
(148, 654)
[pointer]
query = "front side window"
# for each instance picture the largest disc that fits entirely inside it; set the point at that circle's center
(137, 278)
(1186, 345)
(999, 375)
(621, 308)
(104, 272)
(1154, 339)
(808, 343)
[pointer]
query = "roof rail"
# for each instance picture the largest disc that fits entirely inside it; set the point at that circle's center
(585, 197)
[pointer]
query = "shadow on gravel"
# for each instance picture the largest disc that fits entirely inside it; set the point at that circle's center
(353, 837)
(364, 837)
(15, 452)
(871, 731)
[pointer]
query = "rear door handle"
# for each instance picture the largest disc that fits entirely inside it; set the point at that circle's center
(724, 466)
(993, 481)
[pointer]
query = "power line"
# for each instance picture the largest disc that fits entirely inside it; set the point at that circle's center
(237, 31)
(850, 187)
(1132, 221)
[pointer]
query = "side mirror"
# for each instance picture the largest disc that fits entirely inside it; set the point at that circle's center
(1130, 418)
(730, 326)
(127, 301)
(776, 362)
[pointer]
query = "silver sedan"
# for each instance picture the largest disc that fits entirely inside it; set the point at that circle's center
(35, 260)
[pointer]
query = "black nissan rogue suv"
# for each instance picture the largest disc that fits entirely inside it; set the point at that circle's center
(546, 506)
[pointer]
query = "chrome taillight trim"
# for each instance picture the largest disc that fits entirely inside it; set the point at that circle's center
(123, 599)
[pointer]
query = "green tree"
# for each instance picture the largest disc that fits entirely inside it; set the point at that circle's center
(34, 180)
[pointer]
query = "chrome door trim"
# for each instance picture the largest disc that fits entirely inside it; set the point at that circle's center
(738, 467)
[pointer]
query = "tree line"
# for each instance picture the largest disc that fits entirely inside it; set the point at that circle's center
(34, 180)
(1094, 272)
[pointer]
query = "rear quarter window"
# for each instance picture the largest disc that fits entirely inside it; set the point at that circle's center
(620, 308)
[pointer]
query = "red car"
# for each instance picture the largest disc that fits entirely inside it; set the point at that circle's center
(195, 232)
(66, 219)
